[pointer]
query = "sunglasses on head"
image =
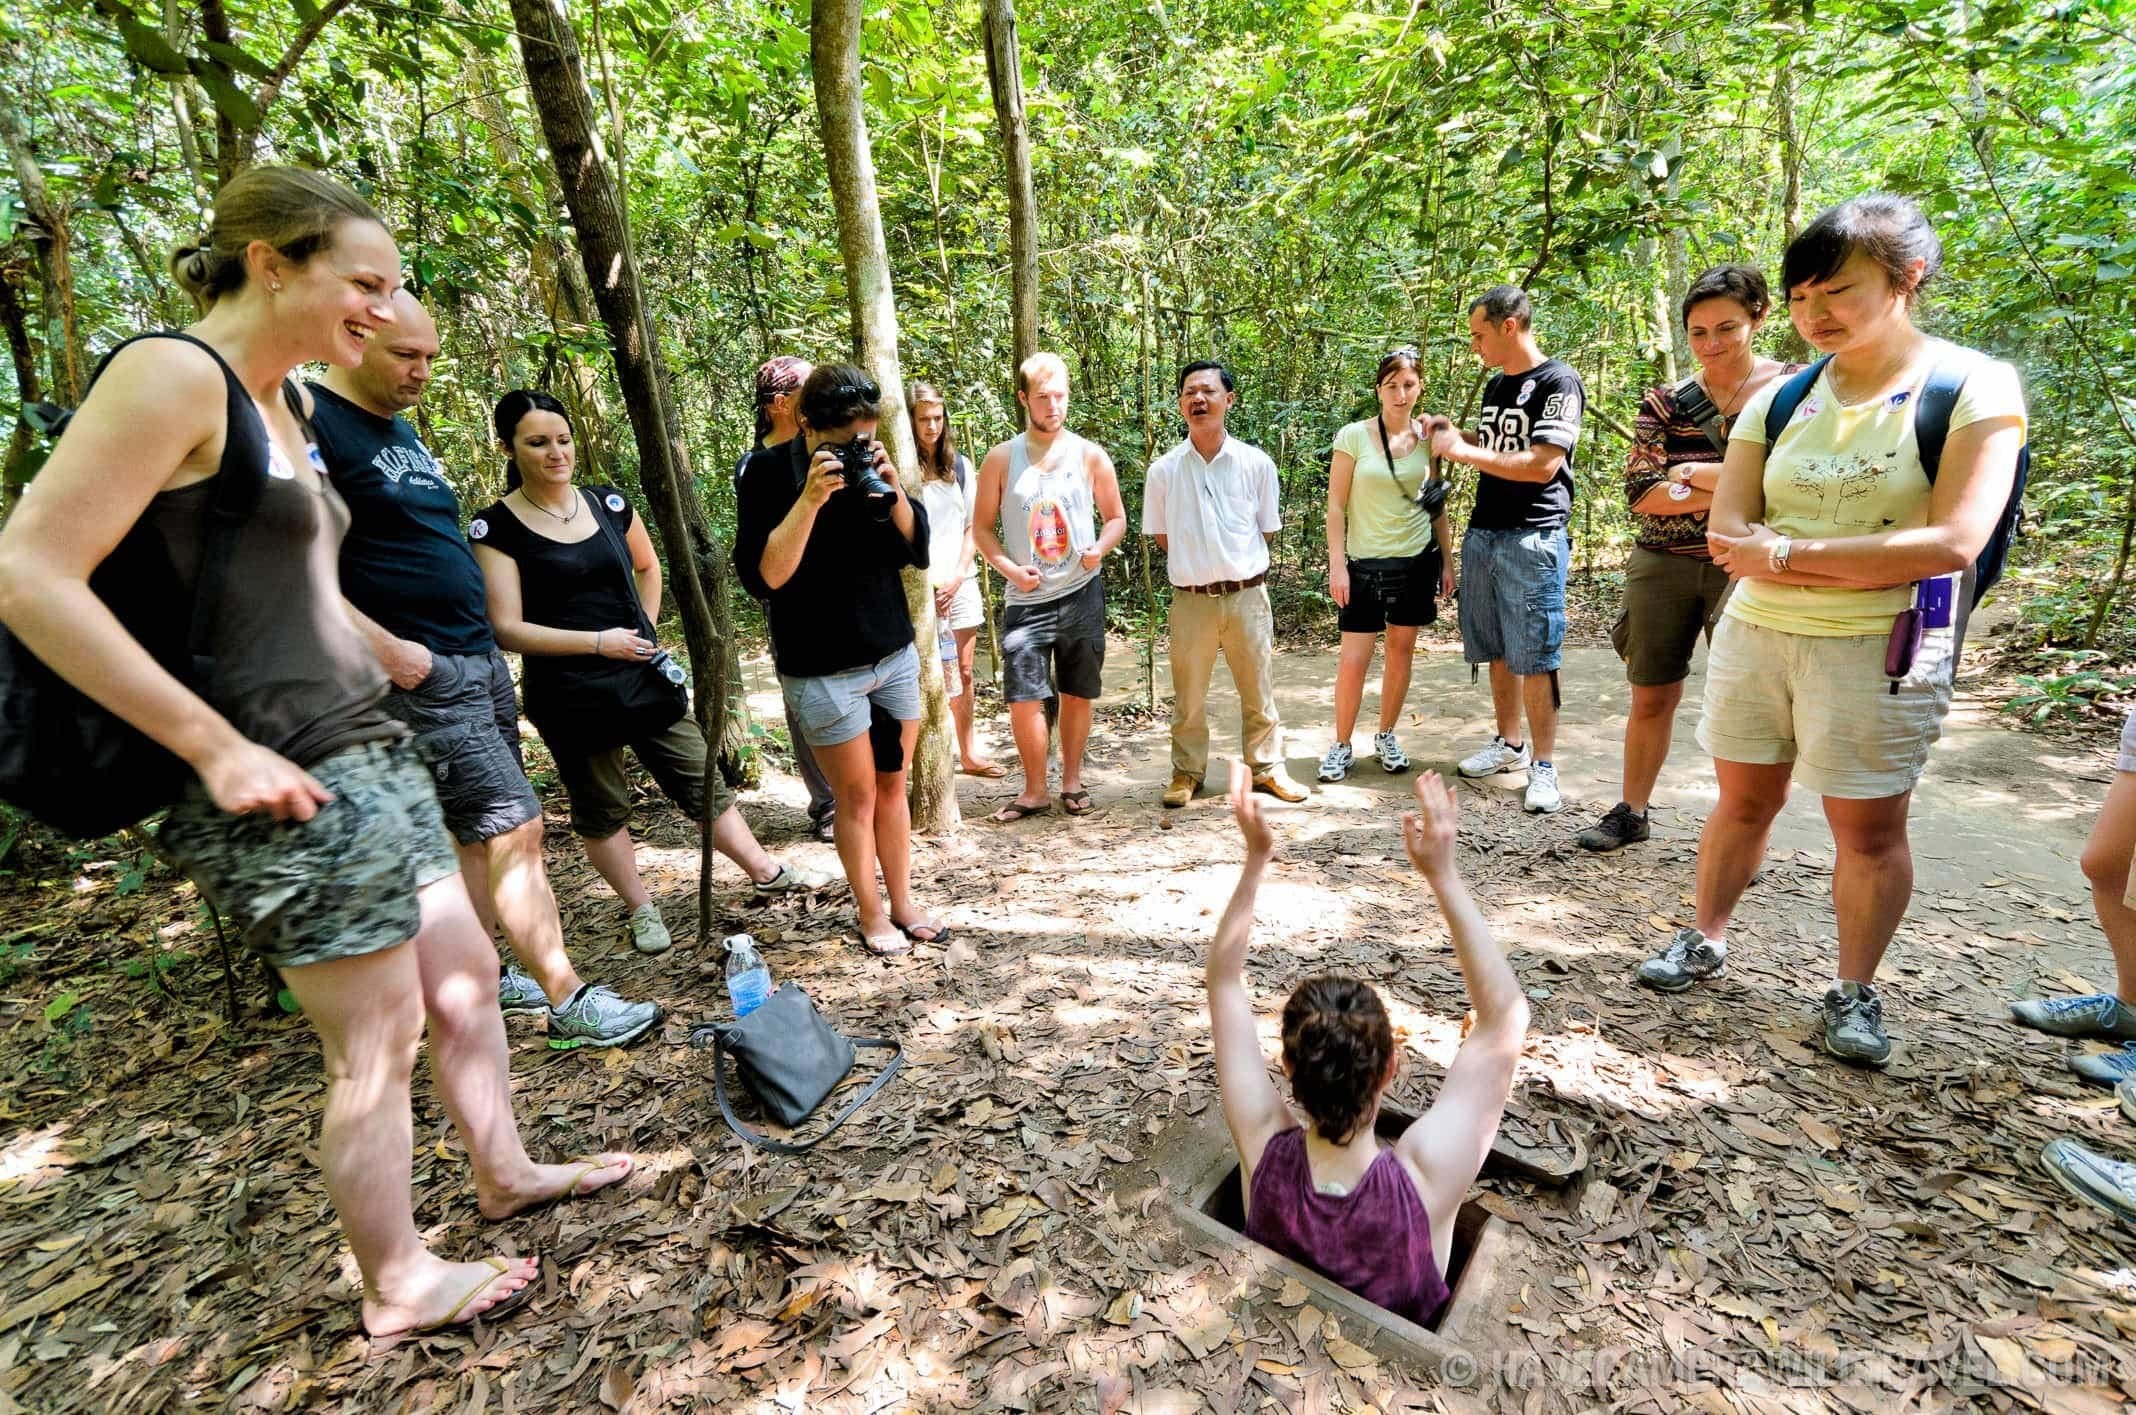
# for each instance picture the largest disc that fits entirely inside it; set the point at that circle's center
(1407, 351)
(865, 389)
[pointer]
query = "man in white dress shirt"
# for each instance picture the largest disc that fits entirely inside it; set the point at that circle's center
(1211, 503)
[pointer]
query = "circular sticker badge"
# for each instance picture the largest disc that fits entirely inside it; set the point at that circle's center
(278, 466)
(615, 501)
(477, 529)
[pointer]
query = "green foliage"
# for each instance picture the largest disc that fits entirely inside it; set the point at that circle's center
(2074, 695)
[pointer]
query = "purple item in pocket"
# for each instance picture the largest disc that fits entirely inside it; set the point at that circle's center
(1900, 648)
(1935, 600)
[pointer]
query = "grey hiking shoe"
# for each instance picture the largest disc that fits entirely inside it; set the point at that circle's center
(1494, 758)
(519, 995)
(2107, 1184)
(1621, 827)
(2126, 1094)
(648, 934)
(2099, 1014)
(1854, 1024)
(1690, 957)
(596, 1017)
(2109, 1068)
(1393, 760)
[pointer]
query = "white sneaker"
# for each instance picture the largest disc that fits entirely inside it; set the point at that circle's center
(1335, 762)
(647, 933)
(1542, 794)
(1495, 758)
(1393, 760)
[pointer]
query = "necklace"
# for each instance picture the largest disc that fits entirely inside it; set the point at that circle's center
(1722, 403)
(1889, 376)
(576, 502)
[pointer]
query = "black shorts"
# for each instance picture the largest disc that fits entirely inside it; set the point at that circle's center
(1404, 593)
(1056, 645)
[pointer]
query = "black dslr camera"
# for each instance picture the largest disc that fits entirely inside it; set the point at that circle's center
(856, 459)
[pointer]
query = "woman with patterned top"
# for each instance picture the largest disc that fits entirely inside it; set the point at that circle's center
(1673, 592)
(1852, 515)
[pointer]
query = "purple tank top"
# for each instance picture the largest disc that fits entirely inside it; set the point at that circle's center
(1375, 1240)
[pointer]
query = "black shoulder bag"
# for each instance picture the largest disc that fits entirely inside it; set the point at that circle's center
(1695, 403)
(790, 1059)
(656, 697)
(65, 758)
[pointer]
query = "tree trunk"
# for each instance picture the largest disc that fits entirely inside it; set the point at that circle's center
(20, 465)
(51, 243)
(1004, 72)
(556, 83)
(834, 56)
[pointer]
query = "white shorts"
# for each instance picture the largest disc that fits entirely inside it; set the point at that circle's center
(965, 610)
(1824, 705)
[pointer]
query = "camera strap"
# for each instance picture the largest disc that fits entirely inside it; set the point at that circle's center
(1414, 498)
(622, 554)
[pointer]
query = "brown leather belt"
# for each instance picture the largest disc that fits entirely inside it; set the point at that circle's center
(1224, 586)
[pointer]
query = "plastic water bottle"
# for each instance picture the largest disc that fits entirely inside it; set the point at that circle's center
(748, 976)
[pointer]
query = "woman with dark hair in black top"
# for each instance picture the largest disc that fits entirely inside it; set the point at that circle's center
(574, 587)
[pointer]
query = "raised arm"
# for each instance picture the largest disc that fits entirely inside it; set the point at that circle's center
(1253, 1110)
(154, 420)
(1446, 1146)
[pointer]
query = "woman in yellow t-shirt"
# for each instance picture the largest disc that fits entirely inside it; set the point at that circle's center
(1389, 557)
(1827, 533)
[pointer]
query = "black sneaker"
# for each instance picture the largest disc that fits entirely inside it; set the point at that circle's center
(1621, 827)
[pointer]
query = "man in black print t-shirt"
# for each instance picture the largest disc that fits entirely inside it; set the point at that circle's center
(418, 599)
(1515, 553)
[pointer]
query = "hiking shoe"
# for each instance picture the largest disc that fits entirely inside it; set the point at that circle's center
(1180, 791)
(519, 995)
(1854, 1024)
(2101, 1014)
(2126, 1094)
(647, 933)
(824, 830)
(1542, 797)
(2107, 1068)
(1495, 758)
(1621, 827)
(1276, 784)
(788, 881)
(1690, 958)
(1335, 762)
(1393, 760)
(2107, 1184)
(596, 1017)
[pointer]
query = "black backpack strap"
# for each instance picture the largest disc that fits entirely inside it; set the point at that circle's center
(789, 1147)
(621, 548)
(1932, 415)
(1697, 404)
(1788, 399)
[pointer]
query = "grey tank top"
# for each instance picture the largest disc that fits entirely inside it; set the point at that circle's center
(290, 672)
(1048, 518)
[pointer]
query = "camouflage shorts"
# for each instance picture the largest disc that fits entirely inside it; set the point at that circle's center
(339, 885)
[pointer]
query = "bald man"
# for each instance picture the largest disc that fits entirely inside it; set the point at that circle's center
(417, 597)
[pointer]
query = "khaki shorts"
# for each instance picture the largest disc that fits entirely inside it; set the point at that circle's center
(1824, 705)
(1669, 600)
(598, 786)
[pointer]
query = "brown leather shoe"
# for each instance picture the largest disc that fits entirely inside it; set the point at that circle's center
(1180, 791)
(1279, 786)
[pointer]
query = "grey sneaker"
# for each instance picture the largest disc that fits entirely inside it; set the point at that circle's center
(2107, 1184)
(596, 1017)
(790, 880)
(1393, 760)
(1495, 758)
(519, 995)
(1542, 797)
(648, 934)
(1621, 827)
(1335, 762)
(1690, 958)
(2126, 1094)
(2107, 1068)
(2101, 1014)
(1854, 1024)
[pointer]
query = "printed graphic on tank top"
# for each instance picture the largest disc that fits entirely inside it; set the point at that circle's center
(1048, 518)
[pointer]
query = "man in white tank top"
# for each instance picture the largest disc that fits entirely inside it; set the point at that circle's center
(1047, 489)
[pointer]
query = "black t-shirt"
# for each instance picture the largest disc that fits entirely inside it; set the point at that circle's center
(404, 562)
(844, 607)
(583, 586)
(1543, 404)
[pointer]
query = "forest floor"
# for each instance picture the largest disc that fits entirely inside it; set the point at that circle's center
(1761, 1229)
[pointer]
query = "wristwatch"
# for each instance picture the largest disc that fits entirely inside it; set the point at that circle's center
(1778, 554)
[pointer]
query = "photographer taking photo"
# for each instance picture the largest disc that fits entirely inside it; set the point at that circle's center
(824, 530)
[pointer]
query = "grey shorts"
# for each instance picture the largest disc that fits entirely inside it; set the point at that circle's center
(1669, 601)
(837, 706)
(599, 786)
(466, 725)
(1513, 598)
(1059, 644)
(2127, 760)
(339, 885)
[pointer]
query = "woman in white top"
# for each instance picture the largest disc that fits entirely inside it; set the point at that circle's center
(1390, 556)
(1842, 542)
(947, 490)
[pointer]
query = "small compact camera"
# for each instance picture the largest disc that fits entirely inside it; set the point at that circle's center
(665, 665)
(857, 460)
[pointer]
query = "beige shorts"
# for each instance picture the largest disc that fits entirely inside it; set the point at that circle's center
(1824, 705)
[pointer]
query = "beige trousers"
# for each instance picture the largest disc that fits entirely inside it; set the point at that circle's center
(1243, 628)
